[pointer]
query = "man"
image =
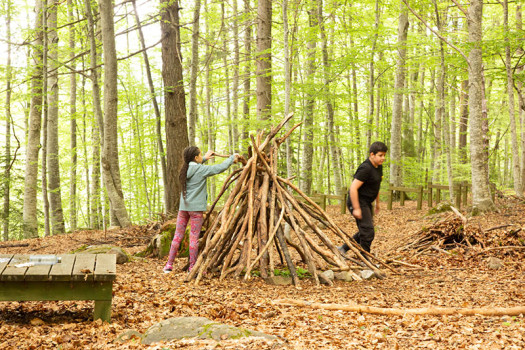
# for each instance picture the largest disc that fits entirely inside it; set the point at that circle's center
(364, 190)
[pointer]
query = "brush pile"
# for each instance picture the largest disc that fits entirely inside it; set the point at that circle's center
(454, 231)
(249, 231)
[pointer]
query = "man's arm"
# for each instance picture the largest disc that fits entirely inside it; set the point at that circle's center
(377, 204)
(354, 197)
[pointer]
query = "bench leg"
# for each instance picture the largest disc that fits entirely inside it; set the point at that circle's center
(102, 310)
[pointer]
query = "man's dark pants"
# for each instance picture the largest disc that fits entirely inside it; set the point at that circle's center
(365, 225)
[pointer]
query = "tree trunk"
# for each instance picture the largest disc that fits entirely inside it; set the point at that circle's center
(371, 78)
(226, 82)
(236, 63)
(174, 100)
(110, 161)
(521, 103)
(481, 200)
(264, 59)
(336, 164)
(287, 85)
(516, 174)
(397, 114)
(73, 123)
(53, 166)
(247, 72)
(7, 167)
(194, 71)
(30, 219)
(158, 117)
(98, 128)
(463, 121)
(308, 136)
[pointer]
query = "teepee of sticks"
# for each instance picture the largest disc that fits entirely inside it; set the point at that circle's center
(250, 228)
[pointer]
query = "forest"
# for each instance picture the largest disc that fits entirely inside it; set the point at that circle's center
(101, 97)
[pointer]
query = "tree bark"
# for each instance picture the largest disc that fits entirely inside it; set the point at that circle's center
(174, 100)
(98, 128)
(236, 63)
(194, 70)
(397, 114)
(308, 136)
(7, 167)
(336, 164)
(53, 166)
(30, 219)
(521, 104)
(247, 72)
(73, 122)
(496, 311)
(463, 120)
(110, 161)
(481, 200)
(264, 59)
(516, 174)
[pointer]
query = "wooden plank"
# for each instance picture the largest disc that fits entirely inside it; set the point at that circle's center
(84, 267)
(4, 264)
(105, 267)
(63, 270)
(13, 273)
(38, 273)
(55, 290)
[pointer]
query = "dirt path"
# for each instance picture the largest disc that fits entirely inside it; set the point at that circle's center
(143, 295)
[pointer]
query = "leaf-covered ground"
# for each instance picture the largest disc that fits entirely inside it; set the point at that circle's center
(143, 296)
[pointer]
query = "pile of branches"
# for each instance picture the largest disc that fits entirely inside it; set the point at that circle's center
(449, 232)
(250, 228)
(454, 231)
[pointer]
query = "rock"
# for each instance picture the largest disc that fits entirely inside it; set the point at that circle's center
(495, 263)
(128, 335)
(160, 245)
(344, 276)
(196, 327)
(122, 256)
(329, 275)
(367, 274)
(279, 280)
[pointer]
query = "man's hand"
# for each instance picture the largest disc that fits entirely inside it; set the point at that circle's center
(357, 213)
(377, 209)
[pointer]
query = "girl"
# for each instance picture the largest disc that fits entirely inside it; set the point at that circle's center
(193, 198)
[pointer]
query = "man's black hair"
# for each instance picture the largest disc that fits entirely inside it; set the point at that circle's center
(378, 146)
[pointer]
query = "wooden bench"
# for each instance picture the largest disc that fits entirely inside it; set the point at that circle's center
(76, 277)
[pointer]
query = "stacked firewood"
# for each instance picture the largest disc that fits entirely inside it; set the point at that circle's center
(249, 231)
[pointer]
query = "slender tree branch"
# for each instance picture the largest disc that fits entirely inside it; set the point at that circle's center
(437, 34)
(461, 8)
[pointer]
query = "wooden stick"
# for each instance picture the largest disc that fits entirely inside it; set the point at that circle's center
(496, 311)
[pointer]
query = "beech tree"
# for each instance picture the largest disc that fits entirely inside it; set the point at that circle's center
(174, 100)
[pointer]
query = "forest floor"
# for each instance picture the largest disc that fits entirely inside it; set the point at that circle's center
(143, 295)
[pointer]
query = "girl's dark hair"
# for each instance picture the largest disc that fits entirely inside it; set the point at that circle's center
(188, 155)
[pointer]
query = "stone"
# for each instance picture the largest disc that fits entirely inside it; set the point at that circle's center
(495, 263)
(279, 280)
(122, 256)
(367, 274)
(329, 275)
(196, 327)
(344, 276)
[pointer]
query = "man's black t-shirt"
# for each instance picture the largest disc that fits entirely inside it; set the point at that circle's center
(371, 177)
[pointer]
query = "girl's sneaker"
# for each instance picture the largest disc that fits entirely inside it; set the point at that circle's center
(168, 268)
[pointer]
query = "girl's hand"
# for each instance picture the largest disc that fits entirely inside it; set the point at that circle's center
(209, 155)
(236, 157)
